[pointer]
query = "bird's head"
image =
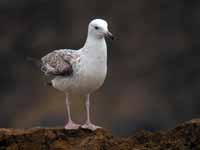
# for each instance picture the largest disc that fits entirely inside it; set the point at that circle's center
(98, 28)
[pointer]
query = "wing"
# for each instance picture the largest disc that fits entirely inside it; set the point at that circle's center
(59, 62)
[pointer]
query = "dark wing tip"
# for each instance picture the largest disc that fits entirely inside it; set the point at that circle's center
(35, 61)
(49, 83)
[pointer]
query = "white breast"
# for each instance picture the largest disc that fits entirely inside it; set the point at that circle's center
(92, 73)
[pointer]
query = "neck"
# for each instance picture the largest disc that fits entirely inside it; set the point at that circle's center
(94, 43)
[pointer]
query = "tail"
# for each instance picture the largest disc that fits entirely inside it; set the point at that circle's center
(36, 62)
(49, 83)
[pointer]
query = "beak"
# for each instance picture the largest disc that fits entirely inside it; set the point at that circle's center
(109, 35)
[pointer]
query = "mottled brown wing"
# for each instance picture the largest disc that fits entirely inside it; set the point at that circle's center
(55, 64)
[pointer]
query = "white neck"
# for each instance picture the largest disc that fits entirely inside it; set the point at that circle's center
(95, 44)
(95, 49)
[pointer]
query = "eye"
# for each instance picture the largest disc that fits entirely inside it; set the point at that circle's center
(96, 27)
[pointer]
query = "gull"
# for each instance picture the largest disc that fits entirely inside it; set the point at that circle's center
(80, 72)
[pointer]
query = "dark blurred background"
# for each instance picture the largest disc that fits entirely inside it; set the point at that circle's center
(153, 77)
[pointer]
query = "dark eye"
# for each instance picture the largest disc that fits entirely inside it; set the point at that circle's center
(96, 27)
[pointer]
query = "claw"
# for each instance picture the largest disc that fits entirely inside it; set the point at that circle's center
(90, 126)
(71, 126)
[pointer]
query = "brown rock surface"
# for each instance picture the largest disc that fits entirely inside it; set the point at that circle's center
(185, 136)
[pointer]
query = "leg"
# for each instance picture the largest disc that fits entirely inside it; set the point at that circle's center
(88, 124)
(70, 124)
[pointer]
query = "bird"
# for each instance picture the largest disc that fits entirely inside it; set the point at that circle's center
(80, 72)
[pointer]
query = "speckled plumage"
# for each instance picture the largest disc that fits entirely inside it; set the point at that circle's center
(59, 62)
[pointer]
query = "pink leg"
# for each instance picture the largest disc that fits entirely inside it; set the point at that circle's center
(88, 124)
(70, 124)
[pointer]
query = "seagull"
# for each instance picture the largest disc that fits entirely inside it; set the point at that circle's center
(82, 71)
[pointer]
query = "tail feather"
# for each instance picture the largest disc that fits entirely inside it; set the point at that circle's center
(35, 61)
(49, 83)
(38, 63)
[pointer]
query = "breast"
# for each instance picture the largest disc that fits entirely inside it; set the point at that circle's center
(92, 76)
(92, 73)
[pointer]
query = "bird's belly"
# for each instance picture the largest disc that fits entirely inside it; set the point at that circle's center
(92, 79)
(83, 82)
(92, 82)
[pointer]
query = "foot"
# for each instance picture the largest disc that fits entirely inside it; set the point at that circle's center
(71, 126)
(90, 126)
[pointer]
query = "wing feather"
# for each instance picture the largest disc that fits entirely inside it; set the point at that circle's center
(58, 62)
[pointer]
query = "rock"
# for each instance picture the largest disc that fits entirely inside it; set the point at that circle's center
(185, 136)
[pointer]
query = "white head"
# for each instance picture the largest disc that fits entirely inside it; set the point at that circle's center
(98, 28)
